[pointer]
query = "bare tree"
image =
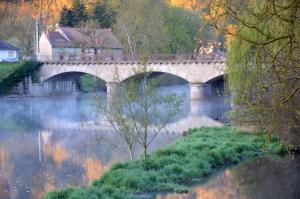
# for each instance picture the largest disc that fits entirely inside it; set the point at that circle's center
(18, 28)
(140, 110)
(139, 26)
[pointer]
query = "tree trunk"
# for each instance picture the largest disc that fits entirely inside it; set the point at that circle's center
(130, 149)
(145, 152)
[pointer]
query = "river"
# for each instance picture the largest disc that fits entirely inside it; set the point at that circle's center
(60, 141)
(261, 178)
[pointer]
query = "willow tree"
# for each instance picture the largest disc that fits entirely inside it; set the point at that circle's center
(263, 62)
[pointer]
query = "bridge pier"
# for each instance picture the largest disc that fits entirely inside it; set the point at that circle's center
(197, 91)
(111, 88)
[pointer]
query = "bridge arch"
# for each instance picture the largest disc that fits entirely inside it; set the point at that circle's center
(68, 76)
(217, 77)
(49, 71)
(196, 72)
(154, 68)
(169, 76)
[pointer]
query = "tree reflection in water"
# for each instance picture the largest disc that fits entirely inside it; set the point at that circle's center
(263, 178)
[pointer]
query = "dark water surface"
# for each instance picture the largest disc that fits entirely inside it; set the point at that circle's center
(55, 142)
(262, 178)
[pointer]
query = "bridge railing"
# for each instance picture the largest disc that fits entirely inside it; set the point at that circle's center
(126, 58)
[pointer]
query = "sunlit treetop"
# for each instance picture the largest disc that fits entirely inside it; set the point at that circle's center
(190, 4)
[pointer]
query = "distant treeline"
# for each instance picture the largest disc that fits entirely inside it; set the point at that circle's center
(149, 26)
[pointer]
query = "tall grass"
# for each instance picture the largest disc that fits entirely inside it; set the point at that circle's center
(178, 165)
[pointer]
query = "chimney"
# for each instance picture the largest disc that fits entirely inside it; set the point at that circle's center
(57, 26)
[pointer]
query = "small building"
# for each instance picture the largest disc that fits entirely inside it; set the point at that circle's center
(8, 52)
(75, 44)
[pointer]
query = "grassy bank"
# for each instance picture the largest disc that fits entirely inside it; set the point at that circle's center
(13, 73)
(8, 68)
(174, 168)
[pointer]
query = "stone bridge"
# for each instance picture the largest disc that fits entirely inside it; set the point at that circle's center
(197, 72)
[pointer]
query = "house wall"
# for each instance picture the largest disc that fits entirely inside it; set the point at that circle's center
(8, 54)
(48, 53)
(61, 54)
(112, 52)
(45, 46)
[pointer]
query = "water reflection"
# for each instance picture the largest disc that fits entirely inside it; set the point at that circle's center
(48, 143)
(263, 178)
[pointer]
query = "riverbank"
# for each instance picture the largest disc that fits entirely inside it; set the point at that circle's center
(8, 68)
(13, 73)
(177, 166)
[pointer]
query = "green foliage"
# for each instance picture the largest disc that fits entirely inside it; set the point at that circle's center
(90, 83)
(173, 168)
(182, 27)
(263, 66)
(161, 29)
(67, 18)
(104, 15)
(12, 78)
(139, 28)
(101, 15)
(86, 83)
(7, 68)
(80, 12)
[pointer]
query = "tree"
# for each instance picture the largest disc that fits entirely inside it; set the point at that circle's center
(263, 62)
(139, 111)
(140, 28)
(79, 11)
(18, 28)
(182, 27)
(67, 17)
(104, 15)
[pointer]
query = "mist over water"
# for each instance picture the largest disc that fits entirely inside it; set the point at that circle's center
(61, 141)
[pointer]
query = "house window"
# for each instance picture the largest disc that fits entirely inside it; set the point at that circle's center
(11, 54)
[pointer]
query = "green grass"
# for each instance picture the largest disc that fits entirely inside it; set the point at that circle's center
(8, 68)
(177, 166)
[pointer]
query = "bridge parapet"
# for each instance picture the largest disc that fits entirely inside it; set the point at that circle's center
(83, 57)
(174, 62)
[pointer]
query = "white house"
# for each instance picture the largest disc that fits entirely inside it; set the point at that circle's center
(8, 52)
(71, 44)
